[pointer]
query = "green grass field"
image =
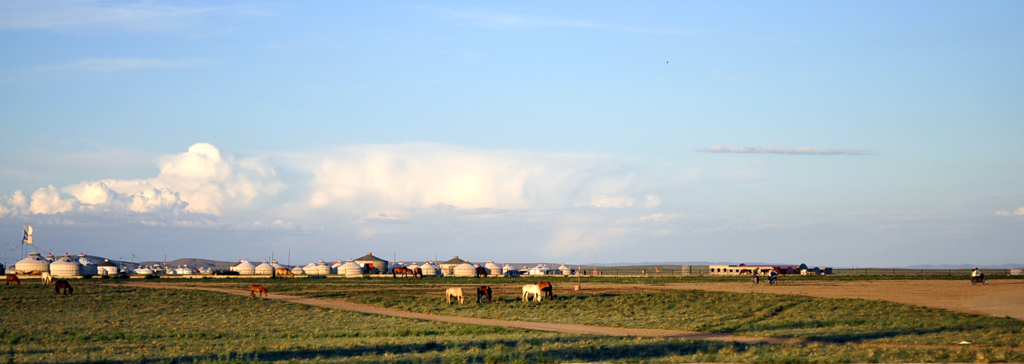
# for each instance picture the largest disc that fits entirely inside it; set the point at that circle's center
(106, 322)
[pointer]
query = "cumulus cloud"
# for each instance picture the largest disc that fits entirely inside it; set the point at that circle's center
(202, 180)
(784, 150)
(48, 200)
(379, 178)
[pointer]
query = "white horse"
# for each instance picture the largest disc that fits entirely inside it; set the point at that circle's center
(532, 289)
(47, 278)
(453, 292)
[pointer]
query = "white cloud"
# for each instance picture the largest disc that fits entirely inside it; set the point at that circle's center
(1019, 212)
(202, 180)
(374, 179)
(1002, 213)
(48, 200)
(784, 150)
(126, 64)
(503, 20)
(55, 14)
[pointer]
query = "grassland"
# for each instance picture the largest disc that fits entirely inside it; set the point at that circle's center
(117, 324)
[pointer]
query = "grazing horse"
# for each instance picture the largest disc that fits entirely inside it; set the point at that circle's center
(47, 278)
(483, 291)
(546, 288)
(453, 292)
(405, 272)
(281, 272)
(62, 284)
(11, 278)
(481, 272)
(257, 290)
(531, 291)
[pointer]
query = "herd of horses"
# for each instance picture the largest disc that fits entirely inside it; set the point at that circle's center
(531, 292)
(60, 287)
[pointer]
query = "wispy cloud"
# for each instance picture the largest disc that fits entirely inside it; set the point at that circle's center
(784, 150)
(501, 20)
(126, 64)
(56, 14)
(1019, 212)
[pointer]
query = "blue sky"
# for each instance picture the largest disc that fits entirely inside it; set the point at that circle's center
(839, 133)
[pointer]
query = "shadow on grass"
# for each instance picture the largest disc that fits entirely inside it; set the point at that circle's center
(497, 351)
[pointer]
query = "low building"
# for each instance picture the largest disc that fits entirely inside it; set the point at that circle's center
(743, 269)
(372, 264)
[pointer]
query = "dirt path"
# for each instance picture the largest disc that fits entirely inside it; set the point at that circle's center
(540, 326)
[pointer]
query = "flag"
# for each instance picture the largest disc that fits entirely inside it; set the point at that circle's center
(133, 255)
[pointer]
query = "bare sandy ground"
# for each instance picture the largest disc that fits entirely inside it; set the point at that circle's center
(1000, 298)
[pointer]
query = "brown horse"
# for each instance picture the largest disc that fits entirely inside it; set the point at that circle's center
(281, 272)
(258, 290)
(405, 272)
(546, 288)
(11, 278)
(483, 291)
(62, 284)
(481, 272)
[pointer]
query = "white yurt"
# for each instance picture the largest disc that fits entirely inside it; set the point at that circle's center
(430, 270)
(205, 270)
(143, 270)
(245, 268)
(49, 258)
(88, 267)
(297, 270)
(540, 270)
(413, 266)
(321, 268)
(493, 269)
(33, 263)
(507, 268)
(309, 269)
(351, 270)
(273, 263)
(65, 266)
(264, 268)
(106, 268)
(464, 270)
(334, 267)
(565, 270)
(184, 270)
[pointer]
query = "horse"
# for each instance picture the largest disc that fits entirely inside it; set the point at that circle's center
(62, 284)
(13, 279)
(531, 291)
(481, 272)
(453, 292)
(47, 278)
(281, 272)
(483, 291)
(546, 288)
(405, 272)
(258, 290)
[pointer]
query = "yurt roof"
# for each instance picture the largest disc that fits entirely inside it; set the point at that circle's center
(429, 264)
(245, 263)
(455, 261)
(265, 265)
(106, 263)
(368, 257)
(541, 267)
(351, 264)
